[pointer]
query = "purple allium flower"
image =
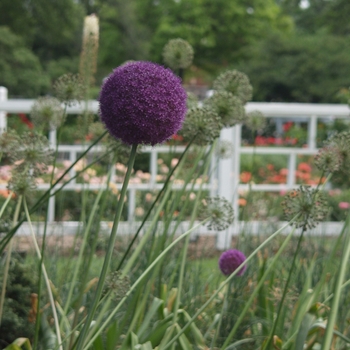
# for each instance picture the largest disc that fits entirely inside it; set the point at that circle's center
(230, 260)
(142, 103)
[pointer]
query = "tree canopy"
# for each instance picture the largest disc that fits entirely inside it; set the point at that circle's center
(291, 52)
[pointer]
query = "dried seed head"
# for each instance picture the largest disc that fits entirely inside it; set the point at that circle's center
(178, 53)
(220, 212)
(202, 123)
(228, 107)
(235, 82)
(308, 203)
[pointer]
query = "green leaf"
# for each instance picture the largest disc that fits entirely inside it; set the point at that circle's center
(156, 304)
(112, 335)
(304, 329)
(19, 343)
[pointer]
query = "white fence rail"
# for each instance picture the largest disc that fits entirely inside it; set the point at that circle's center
(225, 181)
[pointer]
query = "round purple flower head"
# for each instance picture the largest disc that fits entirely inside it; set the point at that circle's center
(230, 260)
(142, 103)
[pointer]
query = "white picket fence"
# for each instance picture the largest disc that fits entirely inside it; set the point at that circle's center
(225, 180)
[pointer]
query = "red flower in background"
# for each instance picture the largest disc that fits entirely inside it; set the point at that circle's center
(287, 126)
(304, 167)
(25, 120)
(245, 176)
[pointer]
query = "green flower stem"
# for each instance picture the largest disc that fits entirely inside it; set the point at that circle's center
(46, 278)
(268, 344)
(138, 281)
(256, 290)
(154, 203)
(47, 194)
(110, 249)
(8, 258)
(92, 250)
(6, 203)
(187, 240)
(328, 337)
(82, 249)
(250, 257)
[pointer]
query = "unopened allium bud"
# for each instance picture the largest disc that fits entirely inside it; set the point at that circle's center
(220, 212)
(203, 124)
(47, 113)
(255, 121)
(33, 156)
(309, 204)
(228, 107)
(178, 53)
(230, 260)
(9, 142)
(69, 89)
(235, 82)
(328, 159)
(142, 103)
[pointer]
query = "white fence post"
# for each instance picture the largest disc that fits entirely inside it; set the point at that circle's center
(228, 180)
(52, 200)
(3, 120)
(312, 132)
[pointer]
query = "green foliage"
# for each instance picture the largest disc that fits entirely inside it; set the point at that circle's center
(20, 70)
(22, 282)
(298, 68)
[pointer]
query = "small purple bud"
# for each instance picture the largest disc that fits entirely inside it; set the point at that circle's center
(230, 260)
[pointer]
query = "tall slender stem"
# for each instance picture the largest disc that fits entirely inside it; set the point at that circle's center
(46, 278)
(109, 253)
(8, 258)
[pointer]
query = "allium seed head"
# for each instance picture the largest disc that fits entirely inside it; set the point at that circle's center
(220, 212)
(228, 107)
(142, 103)
(202, 122)
(9, 142)
(33, 156)
(178, 53)
(69, 89)
(47, 113)
(224, 149)
(341, 143)
(235, 82)
(22, 184)
(308, 203)
(230, 260)
(255, 121)
(328, 159)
